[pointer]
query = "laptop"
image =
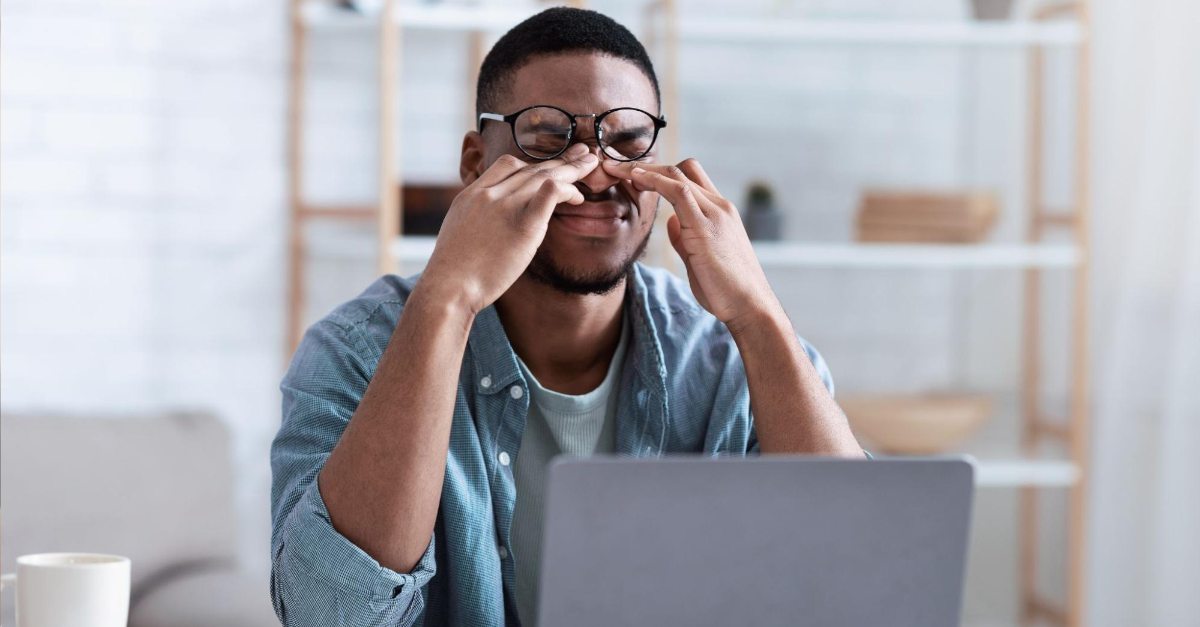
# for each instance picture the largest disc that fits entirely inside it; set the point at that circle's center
(761, 541)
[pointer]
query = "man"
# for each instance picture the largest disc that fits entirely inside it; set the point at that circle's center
(418, 419)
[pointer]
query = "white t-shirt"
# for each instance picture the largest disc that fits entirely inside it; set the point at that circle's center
(556, 424)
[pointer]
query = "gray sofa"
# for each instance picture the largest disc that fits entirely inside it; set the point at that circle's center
(157, 489)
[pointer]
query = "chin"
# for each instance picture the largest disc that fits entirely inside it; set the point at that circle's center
(589, 266)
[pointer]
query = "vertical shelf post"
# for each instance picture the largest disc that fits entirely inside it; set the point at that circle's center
(669, 86)
(1031, 343)
(295, 164)
(671, 93)
(390, 175)
(1033, 605)
(1080, 409)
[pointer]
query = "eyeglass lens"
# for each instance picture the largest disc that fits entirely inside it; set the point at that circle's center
(625, 134)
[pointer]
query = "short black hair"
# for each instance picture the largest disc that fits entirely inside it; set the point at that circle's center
(553, 31)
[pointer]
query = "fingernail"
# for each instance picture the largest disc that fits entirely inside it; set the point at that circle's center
(577, 149)
(639, 171)
(589, 157)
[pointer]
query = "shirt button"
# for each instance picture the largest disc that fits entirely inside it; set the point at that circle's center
(503, 552)
(486, 382)
(516, 391)
(504, 460)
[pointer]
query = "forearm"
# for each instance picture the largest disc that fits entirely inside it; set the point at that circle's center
(793, 410)
(382, 483)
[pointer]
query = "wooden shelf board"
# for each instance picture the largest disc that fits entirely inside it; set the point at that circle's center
(966, 32)
(326, 17)
(809, 254)
(1020, 472)
(339, 212)
(992, 471)
(413, 248)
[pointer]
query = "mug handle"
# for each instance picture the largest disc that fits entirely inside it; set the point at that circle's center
(7, 579)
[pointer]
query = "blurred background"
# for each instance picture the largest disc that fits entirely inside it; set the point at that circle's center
(985, 214)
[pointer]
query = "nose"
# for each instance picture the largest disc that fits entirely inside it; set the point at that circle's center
(597, 180)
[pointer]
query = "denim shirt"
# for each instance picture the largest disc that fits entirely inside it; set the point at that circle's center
(682, 389)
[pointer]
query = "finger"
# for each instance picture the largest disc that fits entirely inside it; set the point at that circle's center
(522, 185)
(624, 169)
(679, 173)
(576, 164)
(692, 169)
(508, 165)
(501, 168)
(682, 195)
(675, 234)
(547, 196)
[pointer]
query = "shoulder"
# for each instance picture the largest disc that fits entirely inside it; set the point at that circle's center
(368, 320)
(382, 298)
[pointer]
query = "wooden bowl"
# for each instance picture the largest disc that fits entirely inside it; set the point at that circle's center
(916, 425)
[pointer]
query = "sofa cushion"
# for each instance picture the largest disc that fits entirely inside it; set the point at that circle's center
(228, 598)
(156, 489)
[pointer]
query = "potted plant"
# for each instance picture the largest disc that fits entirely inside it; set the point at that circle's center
(763, 220)
(992, 9)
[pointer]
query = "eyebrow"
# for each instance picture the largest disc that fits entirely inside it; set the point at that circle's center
(542, 127)
(626, 134)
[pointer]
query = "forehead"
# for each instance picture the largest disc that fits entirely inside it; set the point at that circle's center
(581, 83)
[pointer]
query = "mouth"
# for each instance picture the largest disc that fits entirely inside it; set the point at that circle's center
(595, 219)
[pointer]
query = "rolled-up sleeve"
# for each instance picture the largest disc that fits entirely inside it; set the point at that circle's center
(318, 576)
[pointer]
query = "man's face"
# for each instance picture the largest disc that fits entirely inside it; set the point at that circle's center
(590, 247)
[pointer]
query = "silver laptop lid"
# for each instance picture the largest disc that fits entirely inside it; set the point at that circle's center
(755, 541)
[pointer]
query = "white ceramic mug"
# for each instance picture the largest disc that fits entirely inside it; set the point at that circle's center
(71, 590)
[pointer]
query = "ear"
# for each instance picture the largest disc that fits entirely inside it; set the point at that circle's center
(472, 163)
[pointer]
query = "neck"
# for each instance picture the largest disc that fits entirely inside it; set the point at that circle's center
(566, 340)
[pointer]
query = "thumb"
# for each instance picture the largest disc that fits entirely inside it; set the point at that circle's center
(549, 194)
(675, 234)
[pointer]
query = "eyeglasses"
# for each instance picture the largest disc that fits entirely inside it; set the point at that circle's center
(544, 132)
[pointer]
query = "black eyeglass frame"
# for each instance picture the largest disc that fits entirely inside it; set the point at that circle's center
(660, 122)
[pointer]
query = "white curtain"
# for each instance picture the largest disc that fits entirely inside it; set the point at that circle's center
(1145, 497)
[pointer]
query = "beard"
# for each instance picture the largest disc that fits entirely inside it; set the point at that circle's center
(546, 270)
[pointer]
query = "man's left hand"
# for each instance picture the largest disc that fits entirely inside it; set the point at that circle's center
(793, 411)
(708, 234)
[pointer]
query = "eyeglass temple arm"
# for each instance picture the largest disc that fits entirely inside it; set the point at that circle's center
(489, 116)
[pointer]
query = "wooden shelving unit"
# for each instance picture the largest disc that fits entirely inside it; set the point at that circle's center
(307, 16)
(1060, 26)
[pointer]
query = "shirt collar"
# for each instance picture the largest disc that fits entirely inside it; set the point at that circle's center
(495, 362)
(646, 349)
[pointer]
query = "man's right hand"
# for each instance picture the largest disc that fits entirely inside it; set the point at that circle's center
(496, 224)
(382, 483)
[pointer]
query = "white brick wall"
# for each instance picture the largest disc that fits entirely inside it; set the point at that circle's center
(144, 196)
